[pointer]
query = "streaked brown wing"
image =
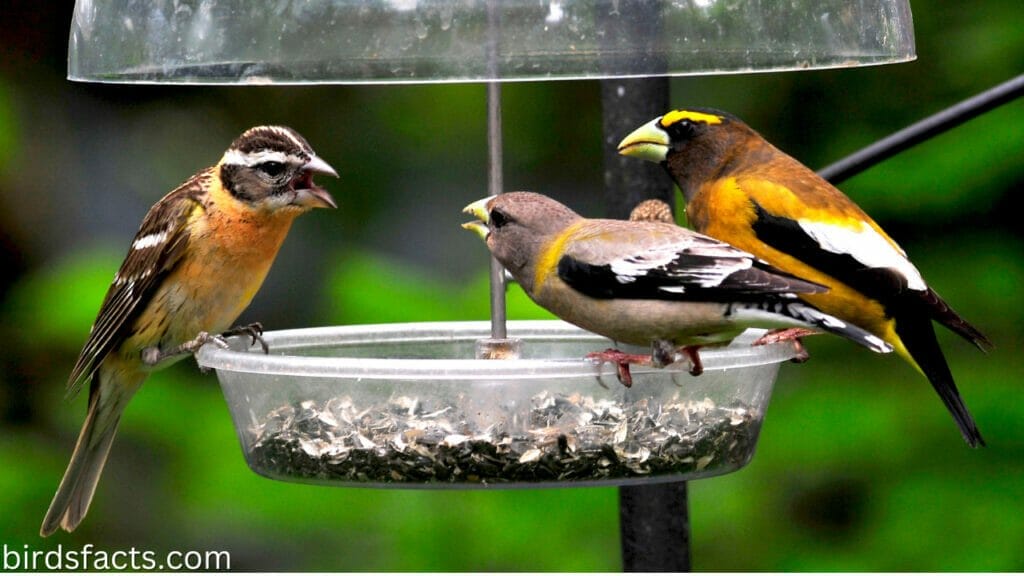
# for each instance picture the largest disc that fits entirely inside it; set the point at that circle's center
(156, 250)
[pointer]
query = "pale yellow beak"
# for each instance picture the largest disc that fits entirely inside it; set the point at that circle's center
(649, 142)
(479, 228)
(479, 210)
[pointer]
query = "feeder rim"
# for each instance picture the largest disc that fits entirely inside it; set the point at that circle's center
(242, 357)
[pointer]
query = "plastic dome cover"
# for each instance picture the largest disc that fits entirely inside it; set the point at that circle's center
(422, 41)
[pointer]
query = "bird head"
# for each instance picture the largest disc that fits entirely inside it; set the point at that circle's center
(652, 210)
(692, 144)
(272, 167)
(518, 227)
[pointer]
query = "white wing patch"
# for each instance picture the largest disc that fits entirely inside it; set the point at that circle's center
(150, 240)
(866, 246)
(727, 261)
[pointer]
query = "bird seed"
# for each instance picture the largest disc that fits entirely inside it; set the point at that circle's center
(565, 438)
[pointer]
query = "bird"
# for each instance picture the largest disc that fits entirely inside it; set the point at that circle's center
(643, 282)
(652, 210)
(741, 189)
(657, 210)
(198, 258)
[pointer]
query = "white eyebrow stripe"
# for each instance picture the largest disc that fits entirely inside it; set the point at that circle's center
(150, 240)
(259, 157)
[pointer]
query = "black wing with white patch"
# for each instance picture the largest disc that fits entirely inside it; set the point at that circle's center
(702, 269)
(889, 286)
(155, 251)
(786, 235)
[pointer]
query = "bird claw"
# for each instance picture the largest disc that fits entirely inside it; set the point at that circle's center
(254, 331)
(202, 339)
(801, 353)
(784, 335)
(789, 335)
(622, 361)
(664, 353)
(696, 366)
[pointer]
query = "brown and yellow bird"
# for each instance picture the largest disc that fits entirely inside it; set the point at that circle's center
(196, 262)
(741, 189)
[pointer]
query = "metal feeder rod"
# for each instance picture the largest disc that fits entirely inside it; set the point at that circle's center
(494, 186)
(923, 130)
(499, 345)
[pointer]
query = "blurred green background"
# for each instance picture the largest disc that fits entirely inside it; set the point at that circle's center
(859, 466)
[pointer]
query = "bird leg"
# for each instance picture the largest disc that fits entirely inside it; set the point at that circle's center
(664, 353)
(254, 330)
(622, 361)
(788, 335)
(152, 355)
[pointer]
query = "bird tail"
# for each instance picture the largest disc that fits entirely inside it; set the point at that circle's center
(919, 346)
(942, 312)
(71, 502)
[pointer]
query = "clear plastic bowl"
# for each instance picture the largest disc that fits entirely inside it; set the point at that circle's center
(406, 405)
(403, 41)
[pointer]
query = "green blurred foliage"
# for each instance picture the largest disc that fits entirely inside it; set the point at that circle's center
(401, 293)
(859, 467)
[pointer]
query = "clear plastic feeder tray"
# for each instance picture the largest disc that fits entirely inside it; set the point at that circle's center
(407, 405)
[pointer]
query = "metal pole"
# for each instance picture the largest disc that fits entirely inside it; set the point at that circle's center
(626, 104)
(495, 186)
(494, 151)
(654, 523)
(654, 520)
(919, 132)
(499, 345)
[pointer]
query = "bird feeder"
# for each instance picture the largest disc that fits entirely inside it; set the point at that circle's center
(407, 405)
(425, 405)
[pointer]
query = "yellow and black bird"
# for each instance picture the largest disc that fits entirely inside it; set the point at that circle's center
(196, 262)
(741, 189)
(644, 282)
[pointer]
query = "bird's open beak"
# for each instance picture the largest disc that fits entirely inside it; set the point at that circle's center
(309, 194)
(479, 210)
(649, 142)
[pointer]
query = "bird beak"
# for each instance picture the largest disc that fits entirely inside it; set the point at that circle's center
(309, 194)
(317, 165)
(649, 142)
(479, 210)
(479, 228)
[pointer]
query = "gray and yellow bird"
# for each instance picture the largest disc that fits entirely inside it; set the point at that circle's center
(644, 282)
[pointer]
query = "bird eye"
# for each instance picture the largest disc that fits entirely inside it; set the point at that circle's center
(271, 168)
(682, 130)
(498, 219)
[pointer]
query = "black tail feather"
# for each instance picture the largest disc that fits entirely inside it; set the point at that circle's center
(918, 336)
(944, 314)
